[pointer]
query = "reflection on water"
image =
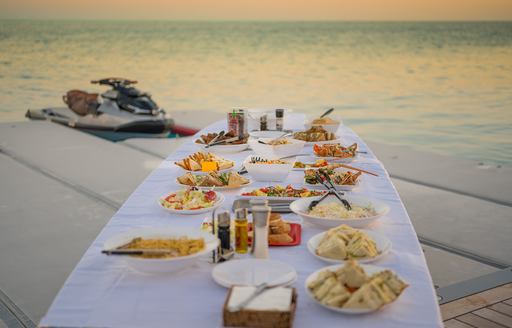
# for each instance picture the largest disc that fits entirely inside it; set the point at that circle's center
(445, 87)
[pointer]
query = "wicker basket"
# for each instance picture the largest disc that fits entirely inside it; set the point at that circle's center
(261, 319)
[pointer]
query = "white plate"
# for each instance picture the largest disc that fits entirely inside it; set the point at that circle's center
(369, 269)
(252, 272)
(267, 197)
(267, 134)
(268, 172)
(383, 246)
(165, 264)
(300, 207)
(336, 159)
(213, 187)
(218, 202)
(337, 187)
(311, 143)
(205, 173)
(292, 148)
(224, 148)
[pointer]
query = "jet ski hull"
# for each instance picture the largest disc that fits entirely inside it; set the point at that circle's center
(106, 127)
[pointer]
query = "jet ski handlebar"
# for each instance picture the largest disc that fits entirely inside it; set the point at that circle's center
(114, 81)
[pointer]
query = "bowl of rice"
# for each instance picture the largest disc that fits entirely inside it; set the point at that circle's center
(331, 213)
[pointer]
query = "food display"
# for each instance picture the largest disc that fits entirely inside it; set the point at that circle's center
(195, 162)
(336, 211)
(256, 160)
(350, 287)
(324, 120)
(207, 138)
(335, 150)
(345, 243)
(338, 177)
(280, 191)
(177, 247)
(213, 179)
(278, 230)
(278, 142)
(318, 163)
(189, 199)
(314, 134)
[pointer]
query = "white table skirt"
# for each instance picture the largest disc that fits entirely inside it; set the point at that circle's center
(103, 292)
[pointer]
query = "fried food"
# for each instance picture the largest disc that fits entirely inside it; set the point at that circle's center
(194, 162)
(351, 287)
(315, 133)
(213, 179)
(340, 178)
(207, 138)
(335, 150)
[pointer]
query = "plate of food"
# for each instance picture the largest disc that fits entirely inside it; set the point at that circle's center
(223, 142)
(191, 201)
(327, 123)
(264, 169)
(344, 243)
(162, 249)
(280, 232)
(288, 192)
(331, 212)
(276, 148)
(202, 163)
(342, 179)
(316, 135)
(213, 180)
(306, 163)
(335, 152)
(354, 288)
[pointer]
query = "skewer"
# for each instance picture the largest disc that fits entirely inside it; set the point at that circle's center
(356, 169)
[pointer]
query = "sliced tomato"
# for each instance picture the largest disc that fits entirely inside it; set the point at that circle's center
(210, 195)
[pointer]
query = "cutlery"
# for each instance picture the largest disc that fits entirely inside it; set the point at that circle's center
(222, 142)
(327, 112)
(138, 251)
(221, 133)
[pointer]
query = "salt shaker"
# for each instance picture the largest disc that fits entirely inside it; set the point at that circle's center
(260, 218)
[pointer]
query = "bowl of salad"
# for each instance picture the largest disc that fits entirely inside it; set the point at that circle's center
(191, 201)
(263, 169)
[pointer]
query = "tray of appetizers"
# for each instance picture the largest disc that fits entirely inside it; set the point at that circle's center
(202, 162)
(353, 288)
(344, 243)
(214, 180)
(222, 142)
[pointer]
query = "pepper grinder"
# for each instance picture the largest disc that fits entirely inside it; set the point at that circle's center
(224, 234)
(260, 218)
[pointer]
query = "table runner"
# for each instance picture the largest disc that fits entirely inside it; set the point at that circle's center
(103, 292)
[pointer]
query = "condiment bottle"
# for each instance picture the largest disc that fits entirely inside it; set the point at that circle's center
(223, 232)
(242, 126)
(241, 231)
(279, 119)
(263, 122)
(260, 218)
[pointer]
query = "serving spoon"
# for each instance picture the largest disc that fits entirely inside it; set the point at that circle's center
(327, 112)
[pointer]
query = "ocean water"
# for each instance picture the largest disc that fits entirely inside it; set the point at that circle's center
(441, 87)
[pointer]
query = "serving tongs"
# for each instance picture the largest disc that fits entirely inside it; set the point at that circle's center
(326, 181)
(221, 133)
(121, 251)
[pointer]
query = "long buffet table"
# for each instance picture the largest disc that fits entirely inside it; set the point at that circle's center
(103, 292)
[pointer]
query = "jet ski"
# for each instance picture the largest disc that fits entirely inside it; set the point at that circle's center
(122, 112)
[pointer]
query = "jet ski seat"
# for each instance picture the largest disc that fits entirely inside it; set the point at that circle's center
(81, 102)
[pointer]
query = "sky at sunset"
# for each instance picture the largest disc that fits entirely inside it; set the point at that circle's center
(260, 9)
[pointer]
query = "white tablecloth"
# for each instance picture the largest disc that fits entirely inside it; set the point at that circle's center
(103, 292)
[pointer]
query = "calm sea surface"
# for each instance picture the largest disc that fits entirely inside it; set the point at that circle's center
(442, 87)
